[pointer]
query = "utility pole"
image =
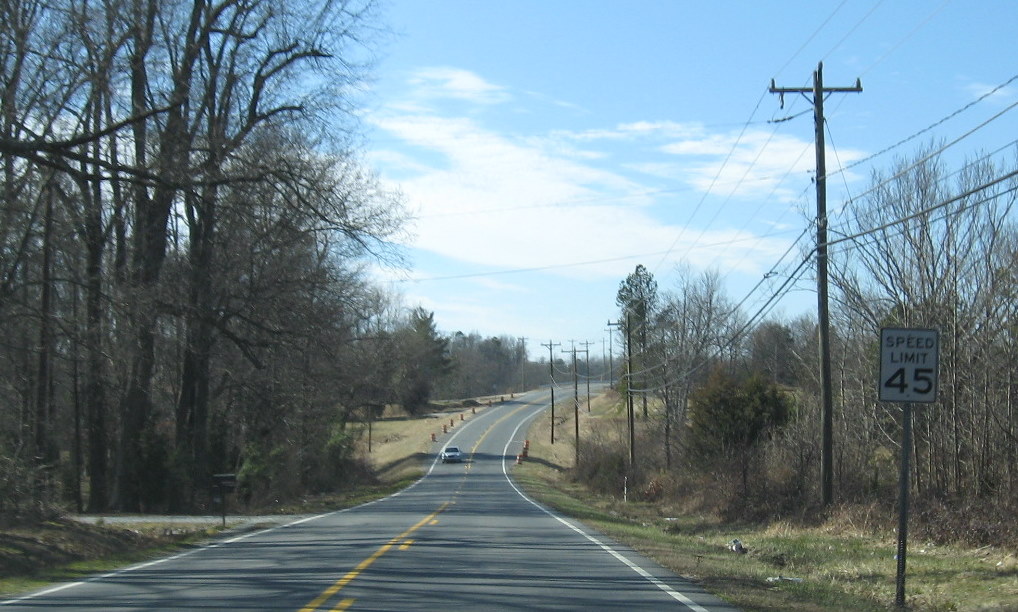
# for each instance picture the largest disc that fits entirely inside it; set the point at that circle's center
(551, 384)
(523, 365)
(629, 394)
(823, 318)
(576, 405)
(586, 368)
(601, 377)
(611, 362)
(643, 360)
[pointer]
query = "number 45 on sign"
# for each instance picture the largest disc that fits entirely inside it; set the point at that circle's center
(908, 365)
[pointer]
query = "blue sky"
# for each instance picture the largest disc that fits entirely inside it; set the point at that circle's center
(545, 148)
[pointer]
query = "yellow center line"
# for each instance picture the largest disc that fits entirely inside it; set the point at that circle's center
(363, 565)
(488, 430)
(314, 604)
(343, 605)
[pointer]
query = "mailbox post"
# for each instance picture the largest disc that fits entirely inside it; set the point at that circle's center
(221, 485)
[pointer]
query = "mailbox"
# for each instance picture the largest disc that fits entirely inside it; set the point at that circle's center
(225, 482)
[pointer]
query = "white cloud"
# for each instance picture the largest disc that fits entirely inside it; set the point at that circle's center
(470, 315)
(504, 201)
(496, 285)
(444, 82)
(396, 159)
(1003, 95)
(634, 130)
(758, 164)
(711, 145)
(668, 129)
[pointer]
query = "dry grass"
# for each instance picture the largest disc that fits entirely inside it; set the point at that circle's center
(840, 564)
(399, 444)
(64, 550)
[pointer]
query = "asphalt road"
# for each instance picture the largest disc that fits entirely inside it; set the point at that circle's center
(462, 538)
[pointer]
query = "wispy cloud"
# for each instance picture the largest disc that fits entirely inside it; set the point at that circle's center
(666, 129)
(994, 93)
(455, 83)
(756, 163)
(504, 200)
(636, 130)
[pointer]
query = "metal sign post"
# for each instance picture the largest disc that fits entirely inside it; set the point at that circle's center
(909, 363)
(221, 485)
(906, 453)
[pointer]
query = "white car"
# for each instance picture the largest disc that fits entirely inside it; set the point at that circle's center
(451, 454)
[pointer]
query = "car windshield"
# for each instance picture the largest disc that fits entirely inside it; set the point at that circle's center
(452, 449)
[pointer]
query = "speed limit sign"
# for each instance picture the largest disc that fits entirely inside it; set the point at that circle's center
(908, 365)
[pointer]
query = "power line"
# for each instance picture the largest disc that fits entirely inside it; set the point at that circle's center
(972, 164)
(739, 334)
(939, 205)
(812, 36)
(710, 188)
(844, 168)
(797, 273)
(726, 243)
(911, 33)
(940, 150)
(853, 29)
(801, 267)
(936, 124)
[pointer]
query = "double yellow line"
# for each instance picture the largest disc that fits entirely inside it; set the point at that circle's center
(315, 603)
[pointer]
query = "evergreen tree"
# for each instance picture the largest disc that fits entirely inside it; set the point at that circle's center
(425, 360)
(728, 417)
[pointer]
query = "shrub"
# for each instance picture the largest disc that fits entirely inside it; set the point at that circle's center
(603, 465)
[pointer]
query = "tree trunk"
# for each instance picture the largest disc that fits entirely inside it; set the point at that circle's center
(151, 217)
(45, 450)
(95, 390)
(192, 405)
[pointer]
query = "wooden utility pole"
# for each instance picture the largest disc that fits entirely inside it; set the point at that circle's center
(611, 350)
(523, 365)
(586, 368)
(823, 319)
(576, 405)
(551, 384)
(576, 408)
(629, 394)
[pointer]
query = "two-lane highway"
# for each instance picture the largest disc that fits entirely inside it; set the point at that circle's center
(463, 537)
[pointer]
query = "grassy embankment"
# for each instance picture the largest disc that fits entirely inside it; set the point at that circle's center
(64, 550)
(846, 563)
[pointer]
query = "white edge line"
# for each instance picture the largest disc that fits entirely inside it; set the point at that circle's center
(140, 566)
(692, 605)
(218, 544)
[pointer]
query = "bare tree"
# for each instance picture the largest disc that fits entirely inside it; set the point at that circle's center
(931, 254)
(694, 324)
(185, 169)
(235, 67)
